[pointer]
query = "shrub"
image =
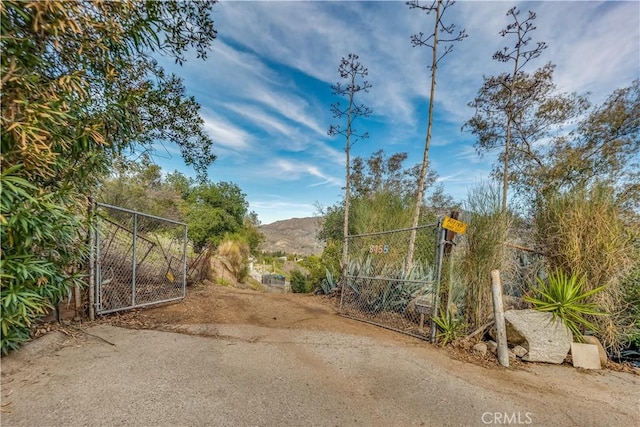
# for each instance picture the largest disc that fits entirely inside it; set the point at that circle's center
(583, 233)
(298, 282)
(42, 244)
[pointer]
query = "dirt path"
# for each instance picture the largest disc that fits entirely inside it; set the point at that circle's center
(284, 359)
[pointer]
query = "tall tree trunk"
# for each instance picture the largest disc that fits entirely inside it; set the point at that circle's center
(427, 145)
(347, 196)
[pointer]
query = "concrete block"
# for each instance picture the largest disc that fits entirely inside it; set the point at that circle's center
(603, 354)
(585, 356)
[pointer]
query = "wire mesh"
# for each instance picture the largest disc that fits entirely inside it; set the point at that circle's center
(522, 269)
(379, 288)
(140, 259)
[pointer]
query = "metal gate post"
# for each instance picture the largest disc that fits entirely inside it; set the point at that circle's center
(92, 260)
(133, 254)
(440, 236)
(184, 264)
(98, 273)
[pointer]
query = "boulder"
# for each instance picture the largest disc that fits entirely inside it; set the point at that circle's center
(492, 346)
(588, 339)
(547, 340)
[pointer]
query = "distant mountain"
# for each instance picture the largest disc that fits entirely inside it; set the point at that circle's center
(293, 236)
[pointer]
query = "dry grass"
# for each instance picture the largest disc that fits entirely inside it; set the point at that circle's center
(483, 250)
(234, 255)
(582, 233)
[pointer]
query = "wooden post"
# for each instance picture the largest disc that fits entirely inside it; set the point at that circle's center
(498, 316)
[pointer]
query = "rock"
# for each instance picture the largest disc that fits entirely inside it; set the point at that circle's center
(492, 346)
(585, 356)
(547, 340)
(513, 336)
(520, 351)
(588, 339)
(480, 348)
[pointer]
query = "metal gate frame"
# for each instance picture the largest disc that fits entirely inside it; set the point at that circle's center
(137, 236)
(440, 243)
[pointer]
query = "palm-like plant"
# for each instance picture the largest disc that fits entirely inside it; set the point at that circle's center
(562, 295)
(450, 328)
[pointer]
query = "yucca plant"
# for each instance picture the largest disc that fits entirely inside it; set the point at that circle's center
(564, 296)
(450, 328)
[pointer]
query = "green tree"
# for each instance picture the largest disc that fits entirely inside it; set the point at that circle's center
(434, 42)
(353, 72)
(213, 211)
(382, 197)
(79, 87)
(524, 113)
(603, 148)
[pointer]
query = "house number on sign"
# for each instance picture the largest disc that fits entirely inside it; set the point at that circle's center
(378, 249)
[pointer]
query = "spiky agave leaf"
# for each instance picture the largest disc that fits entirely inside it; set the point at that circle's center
(562, 295)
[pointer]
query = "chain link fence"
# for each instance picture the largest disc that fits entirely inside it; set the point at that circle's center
(378, 287)
(140, 259)
(522, 269)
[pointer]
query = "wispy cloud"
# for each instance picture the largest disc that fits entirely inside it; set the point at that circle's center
(266, 85)
(295, 168)
(226, 134)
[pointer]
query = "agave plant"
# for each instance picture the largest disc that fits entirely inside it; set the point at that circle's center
(563, 296)
(450, 328)
(329, 283)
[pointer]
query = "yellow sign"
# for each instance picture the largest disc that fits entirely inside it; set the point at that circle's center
(170, 276)
(454, 225)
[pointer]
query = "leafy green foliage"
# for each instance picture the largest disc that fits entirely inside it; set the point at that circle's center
(213, 211)
(602, 149)
(79, 88)
(382, 199)
(529, 111)
(564, 296)
(41, 243)
(299, 283)
(318, 273)
(449, 328)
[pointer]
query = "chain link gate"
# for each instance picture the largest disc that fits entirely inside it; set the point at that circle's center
(140, 259)
(379, 288)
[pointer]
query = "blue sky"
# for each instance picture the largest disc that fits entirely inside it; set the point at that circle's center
(265, 88)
